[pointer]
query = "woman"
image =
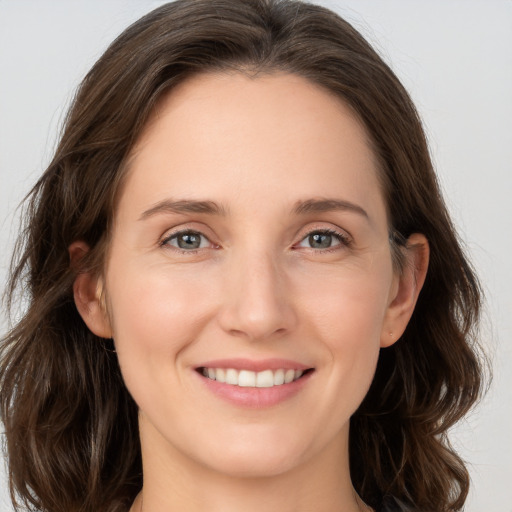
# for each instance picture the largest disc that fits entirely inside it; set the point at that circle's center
(244, 285)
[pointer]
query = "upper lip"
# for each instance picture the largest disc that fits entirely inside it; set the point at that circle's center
(255, 365)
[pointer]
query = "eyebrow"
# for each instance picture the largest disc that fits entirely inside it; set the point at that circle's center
(212, 208)
(328, 205)
(184, 206)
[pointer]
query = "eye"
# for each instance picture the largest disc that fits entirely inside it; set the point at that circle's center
(324, 239)
(187, 240)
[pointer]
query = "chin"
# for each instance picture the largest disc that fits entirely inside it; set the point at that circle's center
(264, 466)
(254, 458)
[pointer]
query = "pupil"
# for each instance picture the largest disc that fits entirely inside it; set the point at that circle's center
(189, 241)
(320, 241)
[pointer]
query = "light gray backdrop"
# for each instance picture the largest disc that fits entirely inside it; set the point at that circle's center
(454, 56)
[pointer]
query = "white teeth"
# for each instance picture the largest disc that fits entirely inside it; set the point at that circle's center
(231, 376)
(246, 379)
(289, 376)
(265, 379)
(278, 377)
(249, 379)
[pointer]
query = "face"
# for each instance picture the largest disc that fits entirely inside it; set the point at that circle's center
(250, 246)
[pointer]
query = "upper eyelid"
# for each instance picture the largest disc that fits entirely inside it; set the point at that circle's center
(177, 230)
(167, 238)
(304, 232)
(343, 238)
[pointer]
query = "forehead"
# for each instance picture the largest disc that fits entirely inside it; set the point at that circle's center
(217, 134)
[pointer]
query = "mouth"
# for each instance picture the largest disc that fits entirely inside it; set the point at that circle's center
(267, 378)
(254, 383)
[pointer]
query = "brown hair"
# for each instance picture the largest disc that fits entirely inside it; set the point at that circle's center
(70, 424)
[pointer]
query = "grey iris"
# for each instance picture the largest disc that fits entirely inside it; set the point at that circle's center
(189, 241)
(320, 240)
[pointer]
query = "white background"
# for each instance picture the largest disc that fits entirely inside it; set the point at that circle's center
(454, 56)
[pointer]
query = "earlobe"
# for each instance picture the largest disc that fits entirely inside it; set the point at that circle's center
(406, 290)
(88, 292)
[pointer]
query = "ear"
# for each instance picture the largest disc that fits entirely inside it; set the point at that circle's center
(406, 289)
(88, 293)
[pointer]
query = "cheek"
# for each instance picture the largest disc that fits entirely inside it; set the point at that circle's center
(155, 317)
(348, 302)
(346, 314)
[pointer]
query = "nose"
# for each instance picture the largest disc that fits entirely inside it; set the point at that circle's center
(257, 299)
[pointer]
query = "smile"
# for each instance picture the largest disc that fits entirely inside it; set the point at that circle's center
(251, 383)
(250, 379)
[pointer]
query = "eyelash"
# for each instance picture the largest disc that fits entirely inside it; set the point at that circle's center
(166, 241)
(343, 239)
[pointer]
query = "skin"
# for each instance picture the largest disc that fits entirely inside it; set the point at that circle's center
(256, 288)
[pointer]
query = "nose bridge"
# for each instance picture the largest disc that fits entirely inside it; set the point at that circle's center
(257, 300)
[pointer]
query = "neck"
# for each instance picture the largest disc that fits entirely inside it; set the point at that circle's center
(172, 481)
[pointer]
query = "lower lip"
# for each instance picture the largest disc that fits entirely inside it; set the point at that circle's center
(252, 397)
